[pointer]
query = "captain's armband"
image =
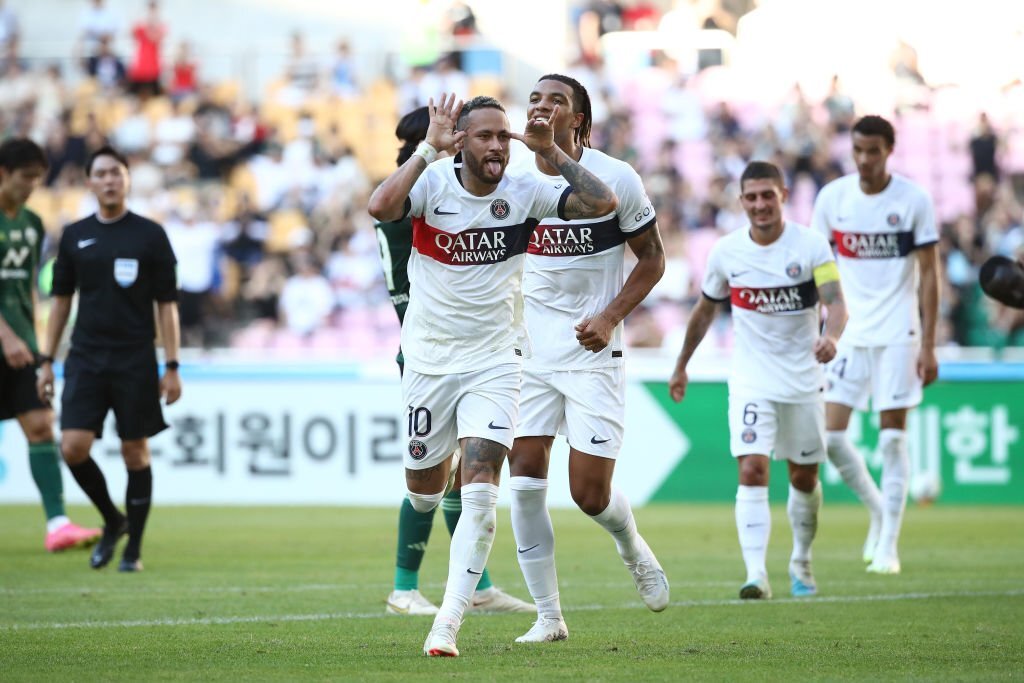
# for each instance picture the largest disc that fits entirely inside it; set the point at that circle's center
(825, 273)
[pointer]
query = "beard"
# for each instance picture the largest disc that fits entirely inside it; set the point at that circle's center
(488, 169)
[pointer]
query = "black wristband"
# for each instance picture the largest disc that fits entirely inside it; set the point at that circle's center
(172, 365)
(45, 359)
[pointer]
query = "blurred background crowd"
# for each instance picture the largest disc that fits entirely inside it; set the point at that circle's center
(262, 180)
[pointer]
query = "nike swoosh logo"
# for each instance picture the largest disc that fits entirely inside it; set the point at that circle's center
(494, 426)
(806, 453)
(470, 571)
(526, 550)
(842, 218)
(439, 212)
(739, 273)
(751, 526)
(897, 397)
(594, 440)
(82, 244)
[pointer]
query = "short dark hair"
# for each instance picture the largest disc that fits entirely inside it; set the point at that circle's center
(580, 105)
(18, 153)
(105, 151)
(762, 170)
(876, 125)
(411, 130)
(478, 102)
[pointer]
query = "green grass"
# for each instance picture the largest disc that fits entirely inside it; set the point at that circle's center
(241, 594)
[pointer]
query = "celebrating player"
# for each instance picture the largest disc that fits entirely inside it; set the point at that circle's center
(22, 167)
(395, 241)
(883, 227)
(464, 337)
(774, 274)
(575, 381)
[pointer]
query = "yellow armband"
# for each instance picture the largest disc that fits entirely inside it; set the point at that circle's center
(825, 273)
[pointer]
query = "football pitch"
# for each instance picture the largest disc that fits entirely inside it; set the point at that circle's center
(285, 594)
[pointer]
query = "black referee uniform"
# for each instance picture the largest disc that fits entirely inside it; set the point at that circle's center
(119, 269)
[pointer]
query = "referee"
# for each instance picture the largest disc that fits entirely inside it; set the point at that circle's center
(120, 263)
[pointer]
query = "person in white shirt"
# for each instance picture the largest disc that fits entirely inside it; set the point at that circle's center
(883, 228)
(463, 338)
(774, 273)
(575, 381)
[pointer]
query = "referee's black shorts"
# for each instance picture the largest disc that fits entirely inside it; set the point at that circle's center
(126, 381)
(17, 390)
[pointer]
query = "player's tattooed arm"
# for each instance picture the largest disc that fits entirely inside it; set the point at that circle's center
(594, 334)
(831, 295)
(482, 460)
(590, 197)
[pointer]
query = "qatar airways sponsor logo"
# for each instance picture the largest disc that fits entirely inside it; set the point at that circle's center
(872, 245)
(775, 299)
(561, 240)
(472, 246)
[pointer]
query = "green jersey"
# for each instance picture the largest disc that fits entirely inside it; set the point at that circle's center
(21, 243)
(395, 241)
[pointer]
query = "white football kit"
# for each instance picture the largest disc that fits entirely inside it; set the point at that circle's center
(776, 385)
(463, 337)
(875, 237)
(574, 269)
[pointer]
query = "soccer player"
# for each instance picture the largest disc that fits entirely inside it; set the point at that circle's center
(464, 337)
(575, 381)
(22, 166)
(883, 228)
(120, 263)
(395, 241)
(774, 273)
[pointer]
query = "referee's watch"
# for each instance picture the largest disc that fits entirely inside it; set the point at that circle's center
(172, 365)
(45, 359)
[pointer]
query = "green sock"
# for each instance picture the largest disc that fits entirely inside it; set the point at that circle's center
(413, 534)
(44, 461)
(451, 506)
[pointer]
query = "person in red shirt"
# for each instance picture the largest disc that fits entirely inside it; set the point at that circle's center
(144, 74)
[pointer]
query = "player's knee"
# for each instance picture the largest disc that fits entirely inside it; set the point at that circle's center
(804, 479)
(425, 502)
(39, 431)
(754, 471)
(591, 500)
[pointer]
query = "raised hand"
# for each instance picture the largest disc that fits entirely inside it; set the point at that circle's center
(539, 134)
(441, 132)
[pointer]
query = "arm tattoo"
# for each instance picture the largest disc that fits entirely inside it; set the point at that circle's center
(422, 475)
(830, 293)
(586, 187)
(482, 457)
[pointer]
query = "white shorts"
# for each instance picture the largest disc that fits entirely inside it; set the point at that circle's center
(441, 409)
(588, 406)
(886, 374)
(785, 431)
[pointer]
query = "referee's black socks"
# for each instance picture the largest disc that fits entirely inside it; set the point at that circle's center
(137, 502)
(90, 477)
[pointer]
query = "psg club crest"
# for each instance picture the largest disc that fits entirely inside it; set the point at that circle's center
(793, 270)
(893, 219)
(417, 449)
(500, 209)
(748, 435)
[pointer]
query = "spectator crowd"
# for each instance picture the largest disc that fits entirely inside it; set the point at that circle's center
(264, 200)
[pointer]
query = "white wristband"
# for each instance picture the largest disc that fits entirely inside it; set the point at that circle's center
(427, 151)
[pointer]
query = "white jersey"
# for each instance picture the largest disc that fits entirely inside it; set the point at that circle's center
(575, 268)
(465, 270)
(774, 311)
(875, 237)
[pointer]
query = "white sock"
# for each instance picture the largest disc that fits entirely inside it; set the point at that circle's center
(754, 524)
(55, 523)
(535, 541)
(617, 519)
(803, 518)
(895, 480)
(854, 471)
(471, 544)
